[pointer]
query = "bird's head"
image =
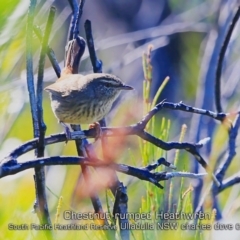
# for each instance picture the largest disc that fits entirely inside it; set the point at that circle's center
(107, 85)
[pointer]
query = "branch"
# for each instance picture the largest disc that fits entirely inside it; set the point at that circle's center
(136, 129)
(108, 132)
(97, 64)
(186, 108)
(41, 202)
(42, 126)
(121, 207)
(79, 15)
(29, 63)
(117, 188)
(220, 62)
(74, 6)
(74, 52)
(144, 173)
(14, 167)
(76, 44)
(41, 205)
(77, 11)
(170, 175)
(233, 132)
(229, 182)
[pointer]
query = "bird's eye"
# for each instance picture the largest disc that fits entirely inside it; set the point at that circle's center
(108, 84)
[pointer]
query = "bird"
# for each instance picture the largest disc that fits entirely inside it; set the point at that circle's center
(84, 99)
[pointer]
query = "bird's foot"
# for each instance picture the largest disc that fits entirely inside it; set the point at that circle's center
(67, 131)
(98, 129)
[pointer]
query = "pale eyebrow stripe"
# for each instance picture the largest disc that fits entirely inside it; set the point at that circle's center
(110, 81)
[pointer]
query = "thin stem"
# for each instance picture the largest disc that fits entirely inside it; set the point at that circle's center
(97, 64)
(121, 206)
(229, 182)
(220, 62)
(136, 129)
(74, 6)
(41, 203)
(116, 187)
(42, 126)
(76, 48)
(29, 63)
(79, 15)
(141, 173)
(233, 133)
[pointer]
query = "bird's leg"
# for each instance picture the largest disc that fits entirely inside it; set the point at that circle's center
(98, 129)
(66, 130)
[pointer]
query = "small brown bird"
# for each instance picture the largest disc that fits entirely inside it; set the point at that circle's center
(78, 99)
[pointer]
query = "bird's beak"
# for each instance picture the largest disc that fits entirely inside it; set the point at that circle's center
(126, 87)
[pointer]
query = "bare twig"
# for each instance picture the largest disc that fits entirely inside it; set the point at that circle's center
(229, 182)
(42, 126)
(205, 90)
(233, 132)
(29, 58)
(91, 133)
(74, 6)
(97, 68)
(220, 62)
(42, 205)
(75, 50)
(144, 173)
(136, 129)
(77, 11)
(116, 186)
(121, 206)
(97, 64)
(14, 167)
(186, 108)
(41, 202)
(79, 15)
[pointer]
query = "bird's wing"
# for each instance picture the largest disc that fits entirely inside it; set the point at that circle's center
(67, 85)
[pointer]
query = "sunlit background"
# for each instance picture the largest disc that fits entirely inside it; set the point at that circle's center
(186, 38)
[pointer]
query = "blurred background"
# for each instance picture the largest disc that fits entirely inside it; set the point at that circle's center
(186, 37)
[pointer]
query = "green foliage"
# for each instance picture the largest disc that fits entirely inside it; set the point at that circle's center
(17, 193)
